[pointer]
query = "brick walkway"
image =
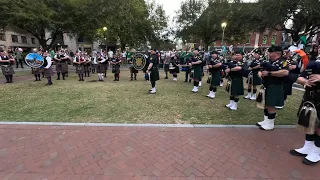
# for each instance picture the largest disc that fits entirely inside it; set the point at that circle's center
(75, 153)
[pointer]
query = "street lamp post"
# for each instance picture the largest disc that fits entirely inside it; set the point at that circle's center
(223, 25)
(105, 37)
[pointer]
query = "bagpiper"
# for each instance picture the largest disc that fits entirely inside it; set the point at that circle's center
(271, 94)
(47, 70)
(308, 114)
(100, 60)
(214, 65)
(235, 82)
(87, 66)
(253, 79)
(79, 62)
(61, 60)
(115, 61)
(6, 63)
(196, 63)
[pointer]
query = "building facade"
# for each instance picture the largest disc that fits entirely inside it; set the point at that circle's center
(13, 39)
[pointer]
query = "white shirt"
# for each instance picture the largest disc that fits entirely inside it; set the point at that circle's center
(110, 54)
(124, 54)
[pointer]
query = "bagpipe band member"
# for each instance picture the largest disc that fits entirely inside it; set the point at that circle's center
(153, 70)
(271, 94)
(94, 63)
(295, 67)
(106, 65)
(196, 63)
(87, 66)
(6, 63)
(115, 61)
(100, 60)
(214, 66)
(308, 114)
(61, 64)
(235, 83)
(167, 64)
(253, 78)
(222, 70)
(79, 62)
(37, 72)
(174, 67)
(47, 70)
(133, 71)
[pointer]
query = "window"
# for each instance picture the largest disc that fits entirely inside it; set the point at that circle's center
(24, 39)
(33, 40)
(264, 40)
(14, 38)
(2, 37)
(273, 40)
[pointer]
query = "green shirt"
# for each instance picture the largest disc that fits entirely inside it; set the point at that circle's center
(129, 55)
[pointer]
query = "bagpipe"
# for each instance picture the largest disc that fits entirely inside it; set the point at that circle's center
(35, 60)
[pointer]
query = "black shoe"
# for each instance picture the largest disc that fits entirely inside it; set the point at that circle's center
(8, 82)
(36, 80)
(135, 79)
(190, 81)
(131, 79)
(115, 80)
(80, 80)
(58, 79)
(309, 163)
(63, 79)
(166, 78)
(295, 153)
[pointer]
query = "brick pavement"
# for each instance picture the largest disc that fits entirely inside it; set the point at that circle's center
(141, 153)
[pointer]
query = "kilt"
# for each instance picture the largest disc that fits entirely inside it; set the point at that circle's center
(101, 68)
(94, 66)
(154, 74)
(237, 88)
(215, 78)
(87, 67)
(166, 67)
(48, 72)
(197, 74)
(115, 69)
(80, 69)
(62, 67)
(106, 66)
(274, 95)
(36, 71)
(287, 88)
(175, 70)
(254, 79)
(133, 70)
(7, 70)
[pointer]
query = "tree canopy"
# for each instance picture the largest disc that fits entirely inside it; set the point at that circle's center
(133, 22)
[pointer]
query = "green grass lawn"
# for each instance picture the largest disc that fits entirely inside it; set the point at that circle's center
(128, 102)
(19, 74)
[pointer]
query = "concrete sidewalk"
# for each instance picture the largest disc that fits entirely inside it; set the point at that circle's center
(77, 152)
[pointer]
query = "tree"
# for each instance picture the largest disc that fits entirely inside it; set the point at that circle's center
(295, 16)
(38, 17)
(205, 24)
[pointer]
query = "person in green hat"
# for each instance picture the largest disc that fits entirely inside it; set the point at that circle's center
(253, 79)
(196, 62)
(273, 75)
(235, 72)
(215, 70)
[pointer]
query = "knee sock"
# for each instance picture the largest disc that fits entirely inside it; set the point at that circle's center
(175, 75)
(58, 75)
(166, 74)
(211, 88)
(317, 141)
(7, 78)
(196, 84)
(82, 77)
(232, 98)
(254, 91)
(63, 75)
(236, 100)
(39, 77)
(79, 76)
(85, 73)
(266, 113)
(153, 84)
(36, 76)
(88, 73)
(272, 116)
(249, 90)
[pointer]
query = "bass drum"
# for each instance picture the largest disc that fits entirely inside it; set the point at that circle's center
(34, 60)
(139, 61)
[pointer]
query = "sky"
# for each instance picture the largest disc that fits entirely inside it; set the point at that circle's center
(170, 6)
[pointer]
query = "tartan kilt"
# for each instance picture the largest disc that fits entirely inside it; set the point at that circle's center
(166, 67)
(48, 72)
(133, 70)
(287, 88)
(274, 95)
(101, 68)
(254, 79)
(115, 69)
(154, 74)
(175, 70)
(80, 69)
(36, 70)
(87, 67)
(215, 78)
(237, 88)
(7, 70)
(197, 74)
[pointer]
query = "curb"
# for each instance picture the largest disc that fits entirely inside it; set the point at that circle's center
(139, 125)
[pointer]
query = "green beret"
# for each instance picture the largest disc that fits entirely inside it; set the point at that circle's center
(258, 51)
(239, 52)
(274, 48)
(215, 52)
